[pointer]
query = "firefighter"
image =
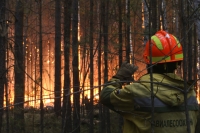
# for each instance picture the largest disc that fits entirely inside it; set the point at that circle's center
(134, 101)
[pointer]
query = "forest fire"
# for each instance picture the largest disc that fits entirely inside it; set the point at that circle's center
(57, 56)
(32, 77)
(198, 95)
(32, 97)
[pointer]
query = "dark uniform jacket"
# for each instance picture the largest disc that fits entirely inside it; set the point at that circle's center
(134, 103)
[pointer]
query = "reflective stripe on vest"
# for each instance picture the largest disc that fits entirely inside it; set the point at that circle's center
(144, 105)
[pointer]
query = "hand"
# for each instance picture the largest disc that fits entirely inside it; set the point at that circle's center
(126, 71)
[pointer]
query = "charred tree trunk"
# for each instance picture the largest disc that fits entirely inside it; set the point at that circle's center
(176, 12)
(19, 69)
(101, 123)
(128, 30)
(41, 69)
(185, 66)
(57, 89)
(120, 31)
(105, 11)
(146, 21)
(91, 67)
(120, 51)
(197, 32)
(75, 62)
(152, 29)
(3, 34)
(189, 44)
(154, 20)
(66, 109)
(163, 14)
(197, 20)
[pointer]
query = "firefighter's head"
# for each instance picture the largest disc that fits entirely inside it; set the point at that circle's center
(165, 52)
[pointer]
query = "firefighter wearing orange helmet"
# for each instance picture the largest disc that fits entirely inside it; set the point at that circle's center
(134, 101)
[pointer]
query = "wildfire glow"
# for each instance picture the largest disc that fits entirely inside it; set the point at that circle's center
(198, 95)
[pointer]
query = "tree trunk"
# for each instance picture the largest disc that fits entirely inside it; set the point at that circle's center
(146, 21)
(162, 5)
(66, 109)
(197, 24)
(91, 66)
(189, 45)
(75, 62)
(177, 19)
(57, 89)
(105, 11)
(197, 20)
(120, 31)
(19, 69)
(3, 34)
(41, 69)
(185, 72)
(128, 30)
(152, 29)
(101, 123)
(120, 51)
(154, 15)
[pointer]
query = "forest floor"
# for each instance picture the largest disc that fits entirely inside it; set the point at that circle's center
(52, 123)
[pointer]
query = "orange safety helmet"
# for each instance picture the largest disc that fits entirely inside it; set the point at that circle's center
(165, 48)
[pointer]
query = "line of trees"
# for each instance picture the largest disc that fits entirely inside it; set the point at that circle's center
(65, 50)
